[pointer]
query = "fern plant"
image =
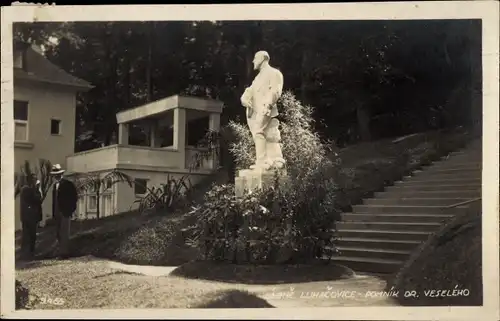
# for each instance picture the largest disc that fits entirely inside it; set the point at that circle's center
(167, 196)
(95, 183)
(41, 171)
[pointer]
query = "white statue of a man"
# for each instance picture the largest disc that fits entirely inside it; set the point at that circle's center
(260, 102)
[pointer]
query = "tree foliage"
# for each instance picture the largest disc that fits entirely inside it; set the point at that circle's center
(367, 79)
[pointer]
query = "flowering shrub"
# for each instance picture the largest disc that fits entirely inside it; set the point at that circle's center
(272, 225)
(291, 221)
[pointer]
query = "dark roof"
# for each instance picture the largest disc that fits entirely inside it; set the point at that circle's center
(38, 68)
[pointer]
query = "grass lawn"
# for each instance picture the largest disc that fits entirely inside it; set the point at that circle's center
(87, 282)
(158, 239)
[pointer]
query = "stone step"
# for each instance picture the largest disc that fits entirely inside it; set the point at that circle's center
(403, 193)
(385, 234)
(465, 152)
(456, 166)
(443, 174)
(410, 209)
(458, 160)
(378, 253)
(433, 178)
(389, 226)
(414, 201)
(462, 158)
(373, 265)
(403, 245)
(413, 218)
(430, 180)
(433, 187)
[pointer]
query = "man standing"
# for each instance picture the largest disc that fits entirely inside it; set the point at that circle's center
(260, 102)
(31, 215)
(64, 202)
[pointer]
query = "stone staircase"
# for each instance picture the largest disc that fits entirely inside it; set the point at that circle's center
(380, 234)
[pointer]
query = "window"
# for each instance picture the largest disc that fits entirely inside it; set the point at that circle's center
(81, 207)
(107, 201)
(55, 127)
(140, 186)
(19, 57)
(92, 203)
(196, 130)
(20, 120)
(92, 189)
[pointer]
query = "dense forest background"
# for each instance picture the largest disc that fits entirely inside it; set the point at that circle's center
(366, 79)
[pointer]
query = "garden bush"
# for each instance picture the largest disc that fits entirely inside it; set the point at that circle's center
(157, 242)
(22, 296)
(282, 222)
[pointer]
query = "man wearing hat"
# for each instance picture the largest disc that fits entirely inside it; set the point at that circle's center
(31, 214)
(64, 202)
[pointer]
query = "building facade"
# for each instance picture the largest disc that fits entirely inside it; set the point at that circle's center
(173, 126)
(44, 112)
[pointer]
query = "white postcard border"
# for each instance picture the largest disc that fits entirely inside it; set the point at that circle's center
(488, 11)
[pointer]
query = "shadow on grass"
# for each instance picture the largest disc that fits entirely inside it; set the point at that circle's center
(23, 265)
(262, 274)
(116, 273)
(235, 299)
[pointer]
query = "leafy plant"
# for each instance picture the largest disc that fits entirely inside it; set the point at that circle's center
(41, 172)
(273, 225)
(281, 222)
(167, 196)
(95, 183)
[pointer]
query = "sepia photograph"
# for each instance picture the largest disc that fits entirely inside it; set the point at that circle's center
(218, 162)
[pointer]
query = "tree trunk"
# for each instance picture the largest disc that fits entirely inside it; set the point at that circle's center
(127, 79)
(149, 64)
(363, 118)
(304, 74)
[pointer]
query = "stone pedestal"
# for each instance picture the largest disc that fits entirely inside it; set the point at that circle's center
(249, 180)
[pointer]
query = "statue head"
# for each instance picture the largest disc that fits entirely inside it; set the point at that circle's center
(261, 59)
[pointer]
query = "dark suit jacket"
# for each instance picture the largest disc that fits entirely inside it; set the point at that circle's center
(31, 204)
(67, 198)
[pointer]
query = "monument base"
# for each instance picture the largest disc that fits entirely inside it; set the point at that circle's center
(249, 180)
